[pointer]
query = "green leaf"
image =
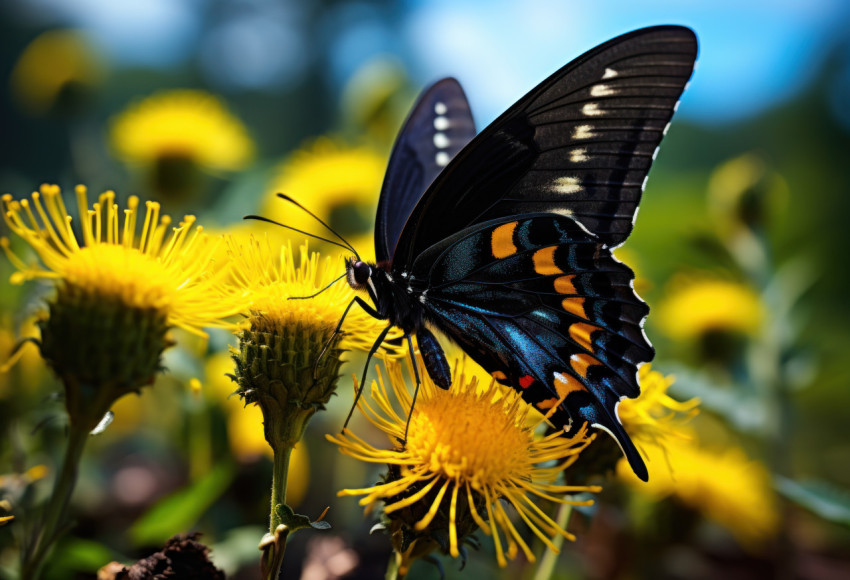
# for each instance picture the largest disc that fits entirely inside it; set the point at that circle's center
(819, 497)
(181, 510)
(78, 555)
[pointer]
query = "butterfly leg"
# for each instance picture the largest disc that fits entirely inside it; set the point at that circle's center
(372, 351)
(416, 390)
(369, 310)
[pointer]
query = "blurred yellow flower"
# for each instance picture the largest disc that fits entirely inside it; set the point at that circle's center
(726, 486)
(182, 125)
(744, 191)
(57, 68)
(468, 455)
(694, 307)
(338, 183)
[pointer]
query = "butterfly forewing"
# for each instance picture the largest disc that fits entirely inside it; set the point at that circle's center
(580, 144)
(439, 125)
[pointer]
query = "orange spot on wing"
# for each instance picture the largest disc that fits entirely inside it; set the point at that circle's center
(499, 376)
(502, 240)
(574, 306)
(580, 332)
(566, 384)
(580, 362)
(548, 404)
(544, 262)
(564, 285)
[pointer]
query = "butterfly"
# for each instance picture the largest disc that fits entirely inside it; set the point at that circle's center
(503, 240)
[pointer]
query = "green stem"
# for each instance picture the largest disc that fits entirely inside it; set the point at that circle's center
(393, 567)
(272, 558)
(279, 480)
(54, 511)
(550, 557)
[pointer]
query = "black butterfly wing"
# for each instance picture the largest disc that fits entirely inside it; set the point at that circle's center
(439, 125)
(542, 304)
(580, 144)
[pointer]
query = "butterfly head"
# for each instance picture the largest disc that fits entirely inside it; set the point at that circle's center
(359, 273)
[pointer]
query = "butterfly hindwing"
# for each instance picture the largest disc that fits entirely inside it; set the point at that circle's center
(543, 305)
(439, 125)
(579, 144)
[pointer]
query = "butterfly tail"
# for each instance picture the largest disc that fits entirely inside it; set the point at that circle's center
(613, 427)
(616, 430)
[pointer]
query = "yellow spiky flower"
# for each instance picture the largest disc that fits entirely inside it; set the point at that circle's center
(655, 416)
(118, 290)
(469, 454)
(289, 357)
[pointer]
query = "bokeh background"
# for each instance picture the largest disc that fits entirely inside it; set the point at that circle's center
(740, 249)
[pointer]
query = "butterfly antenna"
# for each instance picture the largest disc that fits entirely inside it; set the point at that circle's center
(318, 219)
(320, 291)
(271, 221)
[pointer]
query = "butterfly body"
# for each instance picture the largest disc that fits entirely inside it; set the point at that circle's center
(503, 240)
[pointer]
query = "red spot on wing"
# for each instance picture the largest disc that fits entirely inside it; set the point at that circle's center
(526, 381)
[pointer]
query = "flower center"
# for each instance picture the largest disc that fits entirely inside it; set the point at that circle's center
(124, 273)
(468, 436)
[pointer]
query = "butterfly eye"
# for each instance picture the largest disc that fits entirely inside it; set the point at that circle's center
(362, 271)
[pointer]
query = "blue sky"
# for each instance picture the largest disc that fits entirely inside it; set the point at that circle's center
(753, 55)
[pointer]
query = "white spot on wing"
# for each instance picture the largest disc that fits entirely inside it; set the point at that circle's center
(666, 128)
(602, 91)
(643, 185)
(583, 132)
(440, 108)
(592, 110)
(441, 123)
(578, 155)
(566, 185)
(441, 141)
(609, 73)
(561, 211)
(442, 158)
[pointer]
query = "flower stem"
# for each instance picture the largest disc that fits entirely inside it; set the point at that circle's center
(54, 511)
(394, 567)
(279, 481)
(550, 558)
(274, 544)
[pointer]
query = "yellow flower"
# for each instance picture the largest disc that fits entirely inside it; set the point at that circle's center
(469, 453)
(118, 291)
(171, 273)
(340, 184)
(726, 486)
(182, 125)
(270, 277)
(654, 416)
(696, 307)
(55, 70)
